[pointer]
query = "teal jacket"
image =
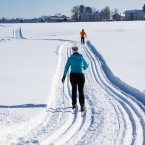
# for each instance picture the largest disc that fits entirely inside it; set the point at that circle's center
(77, 62)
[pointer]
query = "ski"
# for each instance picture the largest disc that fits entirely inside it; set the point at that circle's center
(82, 113)
(74, 110)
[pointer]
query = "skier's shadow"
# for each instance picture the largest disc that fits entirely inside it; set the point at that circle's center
(25, 106)
(60, 110)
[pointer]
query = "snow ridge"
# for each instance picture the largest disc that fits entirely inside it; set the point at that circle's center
(116, 81)
(130, 105)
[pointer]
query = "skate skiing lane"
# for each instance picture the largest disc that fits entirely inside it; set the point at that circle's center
(112, 117)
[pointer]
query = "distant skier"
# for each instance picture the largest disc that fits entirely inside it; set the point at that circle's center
(77, 78)
(83, 35)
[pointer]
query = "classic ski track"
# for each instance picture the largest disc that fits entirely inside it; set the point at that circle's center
(78, 121)
(60, 127)
(89, 118)
(73, 123)
(71, 119)
(53, 119)
(65, 122)
(82, 131)
(94, 75)
(17, 33)
(50, 122)
(130, 107)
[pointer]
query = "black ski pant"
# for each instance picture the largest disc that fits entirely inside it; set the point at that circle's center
(77, 81)
(82, 40)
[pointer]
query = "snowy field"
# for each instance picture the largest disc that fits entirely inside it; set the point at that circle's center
(32, 60)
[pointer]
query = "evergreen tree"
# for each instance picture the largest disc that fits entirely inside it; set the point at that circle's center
(88, 9)
(144, 12)
(144, 8)
(82, 8)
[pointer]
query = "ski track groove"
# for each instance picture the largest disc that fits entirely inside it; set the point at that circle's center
(63, 130)
(95, 69)
(50, 122)
(91, 70)
(96, 79)
(92, 117)
(17, 33)
(77, 120)
(67, 87)
(131, 107)
(66, 98)
(72, 126)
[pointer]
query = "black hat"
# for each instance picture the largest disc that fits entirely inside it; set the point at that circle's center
(75, 49)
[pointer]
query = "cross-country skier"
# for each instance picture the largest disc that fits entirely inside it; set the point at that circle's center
(77, 78)
(83, 35)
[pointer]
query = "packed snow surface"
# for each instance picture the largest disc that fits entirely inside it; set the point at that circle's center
(34, 108)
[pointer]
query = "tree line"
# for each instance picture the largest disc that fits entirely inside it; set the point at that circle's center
(106, 12)
(76, 11)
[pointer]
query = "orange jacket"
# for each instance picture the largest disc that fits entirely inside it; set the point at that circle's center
(83, 34)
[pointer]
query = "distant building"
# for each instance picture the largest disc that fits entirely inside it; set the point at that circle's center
(118, 17)
(91, 17)
(17, 20)
(132, 15)
(43, 19)
(59, 18)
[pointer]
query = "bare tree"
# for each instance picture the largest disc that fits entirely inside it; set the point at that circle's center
(76, 13)
(106, 13)
(93, 9)
(116, 11)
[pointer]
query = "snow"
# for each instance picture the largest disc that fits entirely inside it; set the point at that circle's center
(24, 71)
(124, 51)
(32, 60)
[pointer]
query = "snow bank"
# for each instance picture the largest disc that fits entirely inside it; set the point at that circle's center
(117, 82)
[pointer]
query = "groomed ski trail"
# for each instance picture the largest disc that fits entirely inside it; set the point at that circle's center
(111, 118)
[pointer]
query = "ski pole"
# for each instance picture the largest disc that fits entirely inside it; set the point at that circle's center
(63, 95)
(89, 83)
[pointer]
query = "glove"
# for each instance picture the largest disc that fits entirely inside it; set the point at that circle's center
(63, 79)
